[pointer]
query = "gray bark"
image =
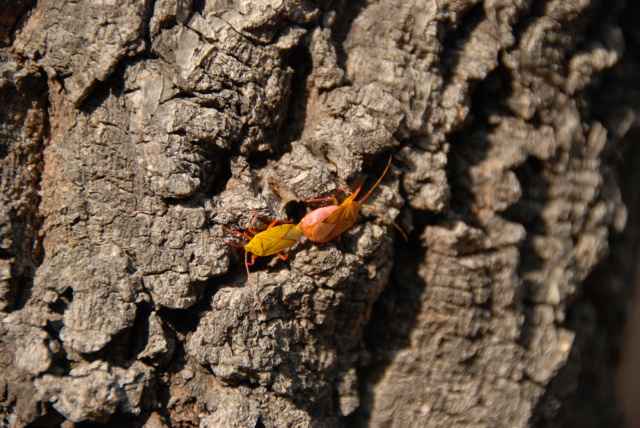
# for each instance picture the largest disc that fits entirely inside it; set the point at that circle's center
(132, 127)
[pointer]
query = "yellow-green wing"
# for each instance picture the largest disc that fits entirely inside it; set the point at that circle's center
(274, 240)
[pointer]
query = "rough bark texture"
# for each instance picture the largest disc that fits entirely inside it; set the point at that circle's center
(129, 127)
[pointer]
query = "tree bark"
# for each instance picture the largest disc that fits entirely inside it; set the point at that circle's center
(131, 128)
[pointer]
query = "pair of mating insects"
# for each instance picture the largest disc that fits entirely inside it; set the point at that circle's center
(320, 225)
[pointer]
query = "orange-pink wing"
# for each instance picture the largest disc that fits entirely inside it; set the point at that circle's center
(314, 226)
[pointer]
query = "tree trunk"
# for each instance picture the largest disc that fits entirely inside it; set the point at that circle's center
(129, 129)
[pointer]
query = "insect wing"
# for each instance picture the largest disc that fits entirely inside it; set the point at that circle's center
(342, 218)
(274, 240)
(326, 223)
(313, 225)
(340, 222)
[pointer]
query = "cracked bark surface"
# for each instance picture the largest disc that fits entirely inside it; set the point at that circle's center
(132, 127)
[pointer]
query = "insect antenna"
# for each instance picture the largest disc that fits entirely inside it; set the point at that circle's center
(377, 182)
(404, 235)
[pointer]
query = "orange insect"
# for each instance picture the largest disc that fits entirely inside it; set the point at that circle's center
(272, 240)
(324, 224)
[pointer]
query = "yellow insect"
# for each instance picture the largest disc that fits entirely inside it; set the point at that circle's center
(273, 240)
(325, 223)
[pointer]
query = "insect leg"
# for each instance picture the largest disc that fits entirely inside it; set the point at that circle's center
(334, 200)
(255, 217)
(253, 259)
(274, 222)
(286, 256)
(345, 190)
(236, 232)
(224, 242)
